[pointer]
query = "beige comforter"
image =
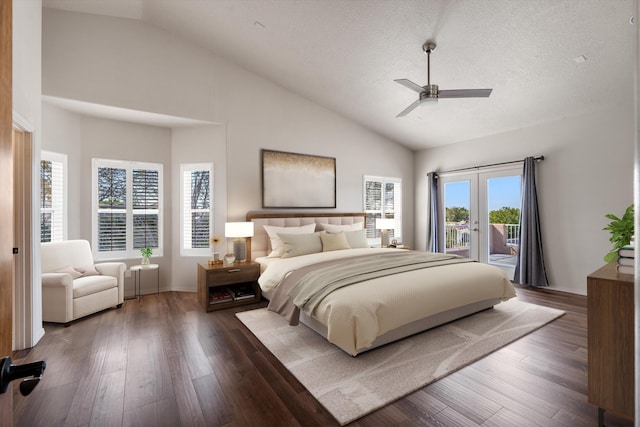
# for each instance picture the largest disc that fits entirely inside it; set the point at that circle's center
(355, 315)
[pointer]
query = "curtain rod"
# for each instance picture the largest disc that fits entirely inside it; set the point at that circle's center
(539, 159)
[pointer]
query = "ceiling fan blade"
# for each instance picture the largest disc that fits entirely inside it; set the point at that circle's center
(409, 108)
(464, 93)
(409, 84)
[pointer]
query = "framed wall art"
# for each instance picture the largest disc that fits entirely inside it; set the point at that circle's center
(291, 180)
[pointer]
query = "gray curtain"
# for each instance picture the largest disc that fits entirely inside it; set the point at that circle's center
(434, 217)
(530, 269)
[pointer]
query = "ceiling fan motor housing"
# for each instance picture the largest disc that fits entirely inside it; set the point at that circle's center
(430, 91)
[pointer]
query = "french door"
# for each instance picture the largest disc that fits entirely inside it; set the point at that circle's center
(480, 214)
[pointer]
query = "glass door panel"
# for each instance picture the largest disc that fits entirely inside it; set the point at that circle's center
(503, 210)
(481, 216)
(459, 199)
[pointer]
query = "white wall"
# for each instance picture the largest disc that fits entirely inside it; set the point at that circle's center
(142, 68)
(63, 134)
(587, 172)
(27, 18)
(83, 138)
(204, 144)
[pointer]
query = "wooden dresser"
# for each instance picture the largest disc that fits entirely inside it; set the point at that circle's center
(610, 314)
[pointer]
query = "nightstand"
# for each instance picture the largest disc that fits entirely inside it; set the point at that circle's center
(222, 286)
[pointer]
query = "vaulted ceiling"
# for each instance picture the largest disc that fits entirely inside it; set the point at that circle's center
(544, 59)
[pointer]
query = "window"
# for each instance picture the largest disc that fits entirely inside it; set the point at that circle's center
(383, 199)
(53, 191)
(127, 208)
(196, 215)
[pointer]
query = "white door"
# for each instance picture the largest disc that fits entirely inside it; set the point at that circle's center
(481, 215)
(459, 213)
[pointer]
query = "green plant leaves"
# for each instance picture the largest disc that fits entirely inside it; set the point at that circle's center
(622, 230)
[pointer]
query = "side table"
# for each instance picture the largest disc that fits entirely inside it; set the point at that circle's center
(228, 285)
(137, 277)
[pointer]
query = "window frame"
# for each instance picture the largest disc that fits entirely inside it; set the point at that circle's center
(186, 211)
(53, 157)
(397, 210)
(130, 252)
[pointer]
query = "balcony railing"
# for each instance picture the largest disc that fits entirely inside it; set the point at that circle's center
(512, 234)
(457, 235)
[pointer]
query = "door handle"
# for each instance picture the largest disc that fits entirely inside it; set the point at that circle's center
(474, 229)
(10, 372)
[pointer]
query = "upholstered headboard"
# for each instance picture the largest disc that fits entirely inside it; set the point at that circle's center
(258, 245)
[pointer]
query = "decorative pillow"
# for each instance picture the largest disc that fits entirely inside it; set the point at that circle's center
(334, 242)
(89, 270)
(300, 244)
(70, 270)
(334, 228)
(276, 243)
(357, 239)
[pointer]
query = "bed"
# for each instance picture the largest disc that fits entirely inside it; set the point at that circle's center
(403, 293)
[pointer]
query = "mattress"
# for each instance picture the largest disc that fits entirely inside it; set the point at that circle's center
(364, 315)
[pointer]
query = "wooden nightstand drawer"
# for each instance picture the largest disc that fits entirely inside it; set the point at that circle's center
(226, 276)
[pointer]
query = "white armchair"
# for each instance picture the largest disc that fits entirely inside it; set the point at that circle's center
(73, 286)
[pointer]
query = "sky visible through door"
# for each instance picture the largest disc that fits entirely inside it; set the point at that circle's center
(504, 192)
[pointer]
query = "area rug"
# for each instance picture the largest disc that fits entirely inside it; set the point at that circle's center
(351, 387)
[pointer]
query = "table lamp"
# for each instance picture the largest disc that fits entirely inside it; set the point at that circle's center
(239, 231)
(384, 225)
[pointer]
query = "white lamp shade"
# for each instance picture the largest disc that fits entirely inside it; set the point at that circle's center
(238, 229)
(385, 224)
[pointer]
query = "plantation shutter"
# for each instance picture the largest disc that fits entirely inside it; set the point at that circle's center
(46, 185)
(382, 199)
(52, 197)
(393, 207)
(145, 203)
(127, 206)
(197, 221)
(373, 206)
(112, 209)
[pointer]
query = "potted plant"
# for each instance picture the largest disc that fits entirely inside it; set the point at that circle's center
(621, 232)
(146, 256)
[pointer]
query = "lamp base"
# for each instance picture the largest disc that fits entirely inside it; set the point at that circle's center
(240, 249)
(384, 238)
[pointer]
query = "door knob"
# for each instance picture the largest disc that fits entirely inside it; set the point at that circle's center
(10, 372)
(474, 229)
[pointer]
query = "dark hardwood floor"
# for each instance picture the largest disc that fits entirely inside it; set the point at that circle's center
(163, 361)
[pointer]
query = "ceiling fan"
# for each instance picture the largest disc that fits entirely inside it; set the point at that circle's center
(431, 93)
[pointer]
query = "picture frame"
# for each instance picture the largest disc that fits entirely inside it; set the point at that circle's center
(293, 180)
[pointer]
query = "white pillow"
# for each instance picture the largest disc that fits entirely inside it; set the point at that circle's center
(89, 270)
(71, 271)
(357, 239)
(334, 242)
(276, 243)
(334, 228)
(301, 244)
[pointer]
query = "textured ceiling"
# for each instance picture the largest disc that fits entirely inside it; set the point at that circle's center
(345, 55)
